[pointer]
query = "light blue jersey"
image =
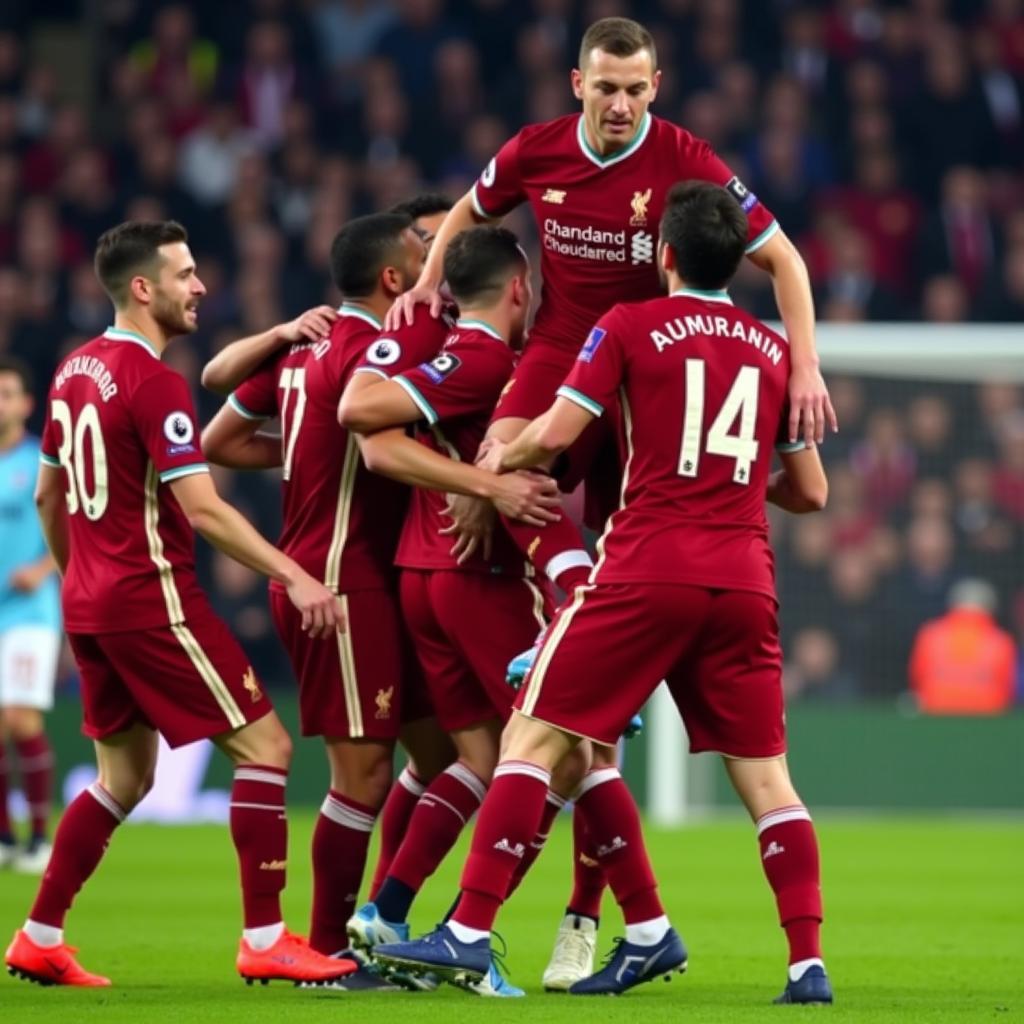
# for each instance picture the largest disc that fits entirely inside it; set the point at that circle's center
(21, 541)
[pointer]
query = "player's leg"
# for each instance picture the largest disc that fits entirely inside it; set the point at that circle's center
(126, 762)
(8, 845)
(28, 667)
(730, 696)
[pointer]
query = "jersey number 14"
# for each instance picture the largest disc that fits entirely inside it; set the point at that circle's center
(741, 402)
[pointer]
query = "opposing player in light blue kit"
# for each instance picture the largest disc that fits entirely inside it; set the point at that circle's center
(29, 624)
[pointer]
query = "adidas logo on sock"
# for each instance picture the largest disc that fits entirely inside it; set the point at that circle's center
(773, 850)
(506, 847)
(618, 843)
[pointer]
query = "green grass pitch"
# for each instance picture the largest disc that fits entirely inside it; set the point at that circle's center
(925, 922)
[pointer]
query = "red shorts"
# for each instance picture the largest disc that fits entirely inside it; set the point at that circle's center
(363, 683)
(466, 627)
(610, 647)
(594, 456)
(190, 681)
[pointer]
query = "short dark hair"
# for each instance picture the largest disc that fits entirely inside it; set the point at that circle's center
(479, 261)
(363, 248)
(12, 364)
(132, 248)
(424, 205)
(621, 37)
(706, 229)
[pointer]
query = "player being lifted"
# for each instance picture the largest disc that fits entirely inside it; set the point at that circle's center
(29, 624)
(683, 591)
(341, 523)
(121, 488)
(596, 183)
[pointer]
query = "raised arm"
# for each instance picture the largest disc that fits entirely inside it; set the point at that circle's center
(233, 363)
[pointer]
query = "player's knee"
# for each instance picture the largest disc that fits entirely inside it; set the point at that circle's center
(22, 723)
(145, 785)
(276, 748)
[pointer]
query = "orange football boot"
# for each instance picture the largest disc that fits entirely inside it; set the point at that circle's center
(48, 965)
(291, 958)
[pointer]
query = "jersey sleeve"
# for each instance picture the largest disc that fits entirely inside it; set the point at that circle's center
(499, 189)
(394, 352)
(708, 166)
(49, 447)
(256, 397)
(458, 383)
(597, 373)
(165, 417)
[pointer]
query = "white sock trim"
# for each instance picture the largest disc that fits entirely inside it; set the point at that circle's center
(105, 800)
(263, 937)
(348, 817)
(648, 933)
(44, 935)
(465, 934)
(260, 775)
(780, 816)
(555, 800)
(799, 969)
(597, 777)
(576, 558)
(527, 768)
(409, 782)
(429, 799)
(468, 778)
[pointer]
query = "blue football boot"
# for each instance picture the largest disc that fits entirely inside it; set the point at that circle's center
(629, 965)
(440, 953)
(813, 987)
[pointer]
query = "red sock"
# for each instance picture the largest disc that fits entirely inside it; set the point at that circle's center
(442, 812)
(508, 822)
(5, 814)
(394, 823)
(553, 803)
(789, 856)
(259, 829)
(556, 549)
(35, 760)
(82, 836)
(613, 824)
(588, 881)
(340, 841)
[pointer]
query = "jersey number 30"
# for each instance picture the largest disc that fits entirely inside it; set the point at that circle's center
(72, 452)
(741, 401)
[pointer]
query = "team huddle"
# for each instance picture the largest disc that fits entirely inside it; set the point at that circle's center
(422, 460)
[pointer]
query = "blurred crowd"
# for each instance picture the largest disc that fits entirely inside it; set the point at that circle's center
(888, 138)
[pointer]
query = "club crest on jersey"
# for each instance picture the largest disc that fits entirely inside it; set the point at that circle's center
(384, 352)
(553, 195)
(741, 194)
(592, 344)
(640, 202)
(441, 367)
(178, 428)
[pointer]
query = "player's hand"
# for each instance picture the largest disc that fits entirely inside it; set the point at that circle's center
(313, 325)
(529, 497)
(27, 579)
(403, 309)
(809, 404)
(472, 526)
(321, 610)
(489, 454)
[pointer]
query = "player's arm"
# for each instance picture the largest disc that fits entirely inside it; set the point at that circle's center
(229, 531)
(543, 438)
(51, 506)
(238, 442)
(378, 404)
(808, 396)
(530, 497)
(801, 484)
(233, 363)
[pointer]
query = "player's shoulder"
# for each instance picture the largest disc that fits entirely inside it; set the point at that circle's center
(668, 134)
(544, 137)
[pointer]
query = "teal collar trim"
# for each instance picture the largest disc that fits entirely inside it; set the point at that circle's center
(613, 158)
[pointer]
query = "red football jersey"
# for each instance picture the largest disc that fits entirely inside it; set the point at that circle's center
(341, 522)
(598, 217)
(703, 392)
(122, 425)
(456, 393)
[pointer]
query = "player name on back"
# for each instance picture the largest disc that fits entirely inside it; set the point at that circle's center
(88, 366)
(682, 327)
